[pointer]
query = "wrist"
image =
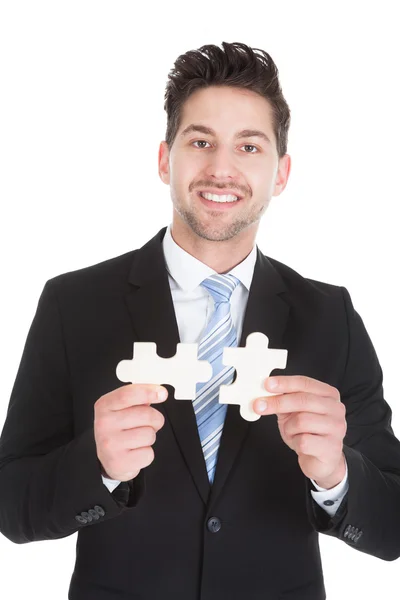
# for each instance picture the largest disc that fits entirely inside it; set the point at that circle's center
(336, 477)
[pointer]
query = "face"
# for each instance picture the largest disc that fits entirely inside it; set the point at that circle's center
(213, 151)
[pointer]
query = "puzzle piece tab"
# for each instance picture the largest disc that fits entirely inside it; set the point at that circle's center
(253, 364)
(182, 371)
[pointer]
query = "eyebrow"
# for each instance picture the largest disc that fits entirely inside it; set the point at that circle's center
(241, 134)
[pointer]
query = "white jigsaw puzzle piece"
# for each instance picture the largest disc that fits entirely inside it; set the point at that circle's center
(182, 371)
(253, 364)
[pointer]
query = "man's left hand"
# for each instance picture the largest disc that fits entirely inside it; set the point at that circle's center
(312, 422)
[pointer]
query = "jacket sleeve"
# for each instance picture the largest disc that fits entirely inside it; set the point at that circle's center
(48, 475)
(368, 518)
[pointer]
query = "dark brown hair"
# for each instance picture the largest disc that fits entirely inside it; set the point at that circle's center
(237, 65)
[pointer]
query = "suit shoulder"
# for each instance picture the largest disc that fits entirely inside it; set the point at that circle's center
(298, 283)
(108, 272)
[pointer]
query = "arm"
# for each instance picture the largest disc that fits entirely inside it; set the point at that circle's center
(368, 519)
(48, 476)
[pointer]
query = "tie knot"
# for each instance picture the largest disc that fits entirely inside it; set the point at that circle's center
(220, 286)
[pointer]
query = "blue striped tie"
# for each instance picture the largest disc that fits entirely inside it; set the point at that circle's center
(220, 333)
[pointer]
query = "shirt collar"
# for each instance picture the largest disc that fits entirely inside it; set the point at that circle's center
(189, 272)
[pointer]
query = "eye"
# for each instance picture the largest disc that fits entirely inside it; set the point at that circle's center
(250, 146)
(200, 141)
(245, 146)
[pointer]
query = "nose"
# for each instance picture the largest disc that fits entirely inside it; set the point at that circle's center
(221, 164)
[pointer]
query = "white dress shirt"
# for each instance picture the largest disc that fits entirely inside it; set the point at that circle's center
(193, 309)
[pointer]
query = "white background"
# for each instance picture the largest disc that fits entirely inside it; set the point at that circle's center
(81, 119)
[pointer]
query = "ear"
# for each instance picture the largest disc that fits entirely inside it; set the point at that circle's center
(282, 175)
(163, 162)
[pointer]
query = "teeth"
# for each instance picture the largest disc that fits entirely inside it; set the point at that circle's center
(216, 198)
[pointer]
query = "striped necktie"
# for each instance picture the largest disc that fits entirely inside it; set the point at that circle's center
(219, 334)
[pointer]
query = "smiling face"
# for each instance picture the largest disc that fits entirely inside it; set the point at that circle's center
(217, 148)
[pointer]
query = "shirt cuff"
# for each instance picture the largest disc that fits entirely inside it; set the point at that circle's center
(332, 497)
(110, 484)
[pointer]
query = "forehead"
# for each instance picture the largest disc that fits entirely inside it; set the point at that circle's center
(227, 110)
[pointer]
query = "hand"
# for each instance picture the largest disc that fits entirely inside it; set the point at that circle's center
(312, 422)
(125, 427)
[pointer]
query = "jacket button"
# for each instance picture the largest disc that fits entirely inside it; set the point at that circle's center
(214, 524)
(358, 535)
(81, 519)
(99, 510)
(86, 516)
(94, 514)
(329, 502)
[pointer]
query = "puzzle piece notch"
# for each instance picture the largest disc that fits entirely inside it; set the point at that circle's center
(253, 365)
(182, 371)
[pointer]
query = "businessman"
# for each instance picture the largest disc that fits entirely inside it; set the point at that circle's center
(185, 500)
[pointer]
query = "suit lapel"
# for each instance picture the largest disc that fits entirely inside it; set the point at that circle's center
(268, 313)
(153, 318)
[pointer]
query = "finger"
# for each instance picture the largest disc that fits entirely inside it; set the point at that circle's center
(133, 394)
(305, 422)
(138, 416)
(300, 383)
(140, 437)
(295, 402)
(141, 457)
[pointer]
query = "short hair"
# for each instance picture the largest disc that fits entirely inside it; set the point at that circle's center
(236, 65)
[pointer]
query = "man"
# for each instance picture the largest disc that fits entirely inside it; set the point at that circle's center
(187, 500)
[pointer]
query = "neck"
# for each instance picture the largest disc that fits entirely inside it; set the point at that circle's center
(222, 256)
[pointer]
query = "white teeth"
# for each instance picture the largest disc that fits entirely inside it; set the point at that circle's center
(216, 198)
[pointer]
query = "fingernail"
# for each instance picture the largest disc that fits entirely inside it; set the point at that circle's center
(261, 405)
(272, 383)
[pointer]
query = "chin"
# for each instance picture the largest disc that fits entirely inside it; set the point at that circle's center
(215, 234)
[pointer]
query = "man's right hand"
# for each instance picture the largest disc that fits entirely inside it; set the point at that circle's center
(125, 427)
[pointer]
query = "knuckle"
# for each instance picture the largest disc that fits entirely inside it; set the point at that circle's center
(99, 402)
(303, 400)
(106, 442)
(101, 423)
(275, 403)
(100, 406)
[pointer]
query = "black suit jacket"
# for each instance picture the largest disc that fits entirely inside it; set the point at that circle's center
(166, 534)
